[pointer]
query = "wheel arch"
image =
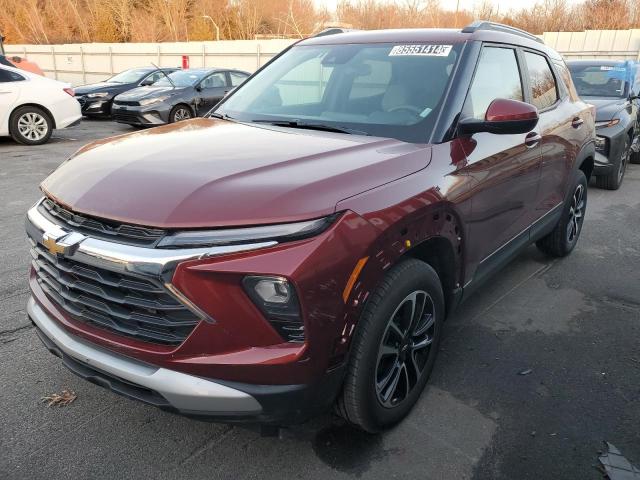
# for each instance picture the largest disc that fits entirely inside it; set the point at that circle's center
(439, 253)
(36, 105)
(184, 104)
(585, 160)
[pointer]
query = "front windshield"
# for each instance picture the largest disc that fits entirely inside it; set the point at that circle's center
(180, 78)
(128, 76)
(601, 80)
(386, 90)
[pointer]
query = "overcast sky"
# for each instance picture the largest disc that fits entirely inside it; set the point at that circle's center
(464, 4)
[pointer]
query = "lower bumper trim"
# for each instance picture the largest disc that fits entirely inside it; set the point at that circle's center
(158, 386)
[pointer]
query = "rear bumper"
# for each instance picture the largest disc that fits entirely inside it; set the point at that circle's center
(180, 393)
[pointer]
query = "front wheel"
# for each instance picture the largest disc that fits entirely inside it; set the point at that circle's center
(564, 237)
(394, 348)
(613, 180)
(179, 113)
(635, 151)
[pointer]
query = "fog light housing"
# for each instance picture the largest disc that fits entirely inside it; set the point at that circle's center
(601, 144)
(277, 300)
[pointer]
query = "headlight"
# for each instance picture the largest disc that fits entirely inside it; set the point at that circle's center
(607, 124)
(151, 101)
(98, 95)
(232, 236)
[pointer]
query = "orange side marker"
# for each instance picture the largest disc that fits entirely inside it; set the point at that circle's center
(352, 279)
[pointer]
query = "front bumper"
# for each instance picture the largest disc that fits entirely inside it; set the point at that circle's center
(99, 107)
(188, 395)
(233, 345)
(157, 114)
(606, 160)
(184, 393)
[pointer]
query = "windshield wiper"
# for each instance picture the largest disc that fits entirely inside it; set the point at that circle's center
(312, 126)
(165, 74)
(221, 116)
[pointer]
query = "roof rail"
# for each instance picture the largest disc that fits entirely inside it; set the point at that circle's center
(334, 31)
(499, 27)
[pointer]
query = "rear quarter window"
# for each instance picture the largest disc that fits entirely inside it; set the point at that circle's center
(544, 91)
(7, 76)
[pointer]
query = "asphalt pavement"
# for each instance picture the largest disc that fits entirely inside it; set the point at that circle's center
(536, 371)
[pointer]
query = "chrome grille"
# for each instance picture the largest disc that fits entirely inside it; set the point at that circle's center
(125, 304)
(112, 231)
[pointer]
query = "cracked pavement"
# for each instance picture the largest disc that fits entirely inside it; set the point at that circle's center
(575, 323)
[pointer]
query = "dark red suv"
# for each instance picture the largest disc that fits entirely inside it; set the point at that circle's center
(302, 246)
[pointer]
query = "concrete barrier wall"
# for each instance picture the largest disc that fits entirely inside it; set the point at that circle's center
(91, 62)
(603, 44)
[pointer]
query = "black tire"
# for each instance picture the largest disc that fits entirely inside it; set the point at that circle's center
(30, 125)
(560, 242)
(635, 156)
(361, 402)
(180, 112)
(613, 180)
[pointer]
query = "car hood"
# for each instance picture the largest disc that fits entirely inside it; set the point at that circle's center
(141, 93)
(101, 87)
(209, 173)
(606, 108)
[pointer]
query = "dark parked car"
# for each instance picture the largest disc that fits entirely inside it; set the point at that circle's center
(608, 85)
(303, 247)
(96, 98)
(182, 95)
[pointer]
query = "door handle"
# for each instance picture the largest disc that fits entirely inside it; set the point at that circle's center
(532, 139)
(577, 122)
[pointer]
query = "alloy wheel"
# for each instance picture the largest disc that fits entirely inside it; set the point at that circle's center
(33, 126)
(576, 214)
(181, 114)
(404, 349)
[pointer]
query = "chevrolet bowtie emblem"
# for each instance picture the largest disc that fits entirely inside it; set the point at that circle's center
(51, 245)
(65, 244)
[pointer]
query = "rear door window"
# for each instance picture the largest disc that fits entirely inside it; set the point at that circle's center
(216, 80)
(544, 90)
(497, 76)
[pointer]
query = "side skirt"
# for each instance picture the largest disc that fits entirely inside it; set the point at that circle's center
(507, 252)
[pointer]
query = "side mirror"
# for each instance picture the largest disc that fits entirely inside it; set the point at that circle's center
(198, 88)
(503, 117)
(146, 82)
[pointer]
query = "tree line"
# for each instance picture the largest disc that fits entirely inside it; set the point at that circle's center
(75, 21)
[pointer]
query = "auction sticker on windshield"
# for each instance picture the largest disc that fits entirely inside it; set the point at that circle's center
(421, 50)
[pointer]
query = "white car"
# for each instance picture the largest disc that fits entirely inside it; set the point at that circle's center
(32, 106)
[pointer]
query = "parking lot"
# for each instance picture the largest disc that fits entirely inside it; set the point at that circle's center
(572, 326)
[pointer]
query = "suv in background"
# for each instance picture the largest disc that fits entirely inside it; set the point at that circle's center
(608, 84)
(302, 248)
